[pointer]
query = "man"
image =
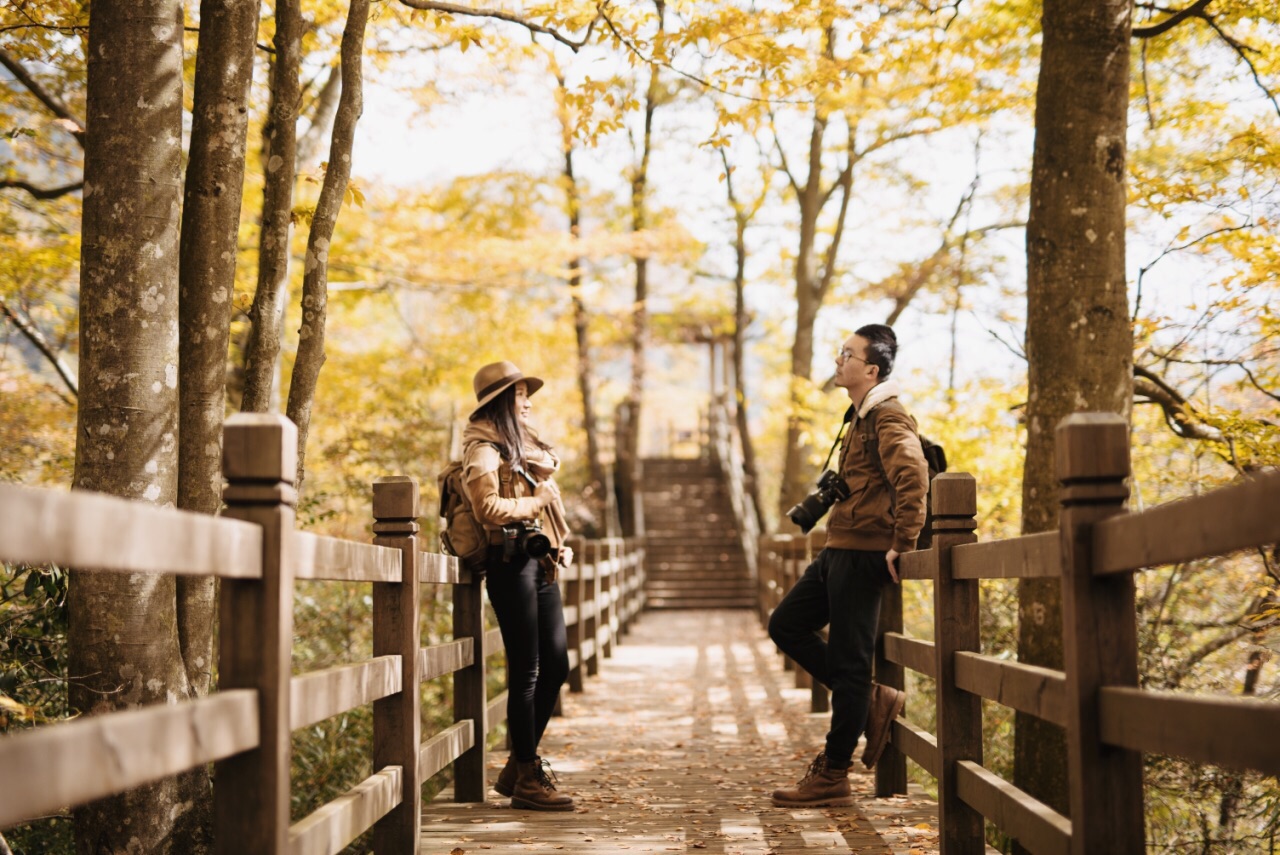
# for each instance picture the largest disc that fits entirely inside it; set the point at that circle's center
(881, 518)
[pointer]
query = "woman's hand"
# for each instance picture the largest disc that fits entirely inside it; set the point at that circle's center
(566, 556)
(546, 492)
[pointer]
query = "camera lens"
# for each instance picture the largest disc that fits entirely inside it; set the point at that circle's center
(537, 545)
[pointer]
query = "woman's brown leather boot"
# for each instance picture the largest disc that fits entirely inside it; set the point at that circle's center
(506, 783)
(536, 788)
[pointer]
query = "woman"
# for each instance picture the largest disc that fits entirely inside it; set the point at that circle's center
(501, 457)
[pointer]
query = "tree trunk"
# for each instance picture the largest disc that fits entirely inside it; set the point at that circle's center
(796, 475)
(315, 282)
(581, 321)
(280, 150)
(639, 222)
(1079, 344)
(741, 218)
(206, 283)
(123, 636)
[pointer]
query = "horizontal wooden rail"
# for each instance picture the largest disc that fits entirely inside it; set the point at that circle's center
(441, 659)
(1032, 556)
(496, 713)
(1035, 825)
(1025, 688)
(1236, 732)
(319, 557)
(1241, 516)
(922, 564)
(445, 747)
(90, 530)
(330, 828)
(493, 641)
(911, 653)
(918, 744)
(64, 765)
(322, 694)
(437, 569)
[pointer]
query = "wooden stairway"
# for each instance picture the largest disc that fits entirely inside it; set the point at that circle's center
(693, 554)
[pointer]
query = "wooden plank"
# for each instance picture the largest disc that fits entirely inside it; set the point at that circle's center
(470, 697)
(1026, 688)
(957, 623)
(570, 615)
(321, 694)
(319, 557)
(911, 653)
(1236, 732)
(255, 634)
(493, 641)
(1241, 516)
(921, 564)
(93, 531)
(397, 631)
(1100, 636)
(328, 829)
(437, 569)
(918, 744)
(1032, 823)
(441, 659)
(445, 747)
(497, 712)
(1031, 556)
(64, 765)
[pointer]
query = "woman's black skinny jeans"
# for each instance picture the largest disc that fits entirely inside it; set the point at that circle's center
(531, 618)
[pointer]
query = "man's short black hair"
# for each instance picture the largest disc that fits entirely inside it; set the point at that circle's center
(882, 347)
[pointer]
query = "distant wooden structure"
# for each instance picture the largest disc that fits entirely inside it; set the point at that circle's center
(1109, 720)
(245, 726)
(699, 525)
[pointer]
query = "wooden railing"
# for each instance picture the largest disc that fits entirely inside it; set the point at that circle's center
(1109, 720)
(245, 726)
(721, 433)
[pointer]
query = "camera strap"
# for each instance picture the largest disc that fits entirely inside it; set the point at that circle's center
(848, 417)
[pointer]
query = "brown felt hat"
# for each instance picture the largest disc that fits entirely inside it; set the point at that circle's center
(494, 378)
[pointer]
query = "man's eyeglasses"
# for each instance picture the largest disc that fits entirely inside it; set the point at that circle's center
(846, 354)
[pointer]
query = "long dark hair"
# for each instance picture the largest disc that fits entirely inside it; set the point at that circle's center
(512, 435)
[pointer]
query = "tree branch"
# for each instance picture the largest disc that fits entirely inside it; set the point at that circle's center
(499, 15)
(1182, 419)
(44, 193)
(50, 101)
(1195, 10)
(28, 328)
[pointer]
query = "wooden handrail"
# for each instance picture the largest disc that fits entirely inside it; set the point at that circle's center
(1109, 719)
(246, 727)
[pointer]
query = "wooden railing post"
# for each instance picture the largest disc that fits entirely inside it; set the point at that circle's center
(1099, 634)
(591, 603)
(251, 796)
(470, 700)
(574, 589)
(608, 585)
(397, 728)
(956, 612)
(891, 770)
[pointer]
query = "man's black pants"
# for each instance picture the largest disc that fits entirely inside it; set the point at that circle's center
(842, 589)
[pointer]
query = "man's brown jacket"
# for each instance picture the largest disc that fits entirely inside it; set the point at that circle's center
(868, 519)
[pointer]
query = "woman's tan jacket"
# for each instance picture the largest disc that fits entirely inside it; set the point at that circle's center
(498, 495)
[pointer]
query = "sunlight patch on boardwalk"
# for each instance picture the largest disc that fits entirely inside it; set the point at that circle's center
(676, 747)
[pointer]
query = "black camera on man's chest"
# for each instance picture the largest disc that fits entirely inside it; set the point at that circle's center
(831, 489)
(524, 538)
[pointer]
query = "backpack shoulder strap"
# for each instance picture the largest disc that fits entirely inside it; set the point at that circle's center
(871, 442)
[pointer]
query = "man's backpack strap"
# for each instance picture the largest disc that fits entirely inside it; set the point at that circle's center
(871, 442)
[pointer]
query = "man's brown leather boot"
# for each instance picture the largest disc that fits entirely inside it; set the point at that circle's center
(506, 783)
(821, 786)
(886, 705)
(536, 788)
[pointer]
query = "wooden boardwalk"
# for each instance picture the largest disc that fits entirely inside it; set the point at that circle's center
(676, 747)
